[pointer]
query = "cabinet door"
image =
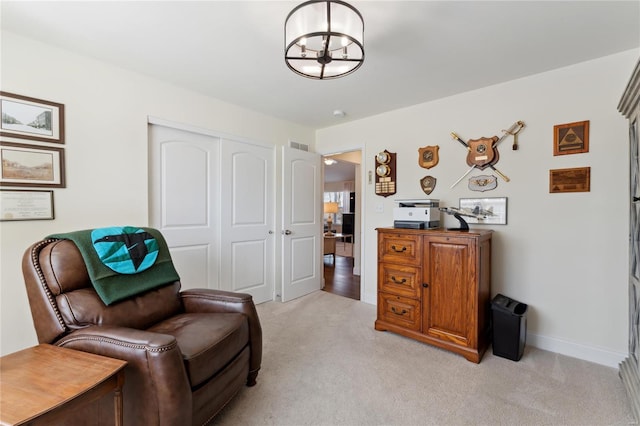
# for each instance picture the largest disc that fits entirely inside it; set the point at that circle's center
(448, 299)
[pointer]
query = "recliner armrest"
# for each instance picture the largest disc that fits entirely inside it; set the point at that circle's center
(154, 368)
(123, 339)
(204, 300)
(208, 300)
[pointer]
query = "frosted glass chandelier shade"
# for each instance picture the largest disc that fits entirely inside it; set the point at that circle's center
(324, 39)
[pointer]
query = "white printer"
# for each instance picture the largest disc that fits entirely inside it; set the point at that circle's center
(417, 214)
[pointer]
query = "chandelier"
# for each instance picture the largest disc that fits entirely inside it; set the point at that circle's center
(324, 39)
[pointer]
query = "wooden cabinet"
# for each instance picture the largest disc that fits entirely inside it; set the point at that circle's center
(435, 286)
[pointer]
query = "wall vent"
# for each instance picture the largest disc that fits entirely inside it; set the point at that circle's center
(300, 146)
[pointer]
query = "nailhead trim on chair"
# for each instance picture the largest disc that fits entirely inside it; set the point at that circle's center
(120, 343)
(35, 253)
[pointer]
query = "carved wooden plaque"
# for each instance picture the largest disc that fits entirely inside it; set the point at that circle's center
(570, 180)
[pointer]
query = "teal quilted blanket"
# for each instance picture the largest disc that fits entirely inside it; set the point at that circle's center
(123, 261)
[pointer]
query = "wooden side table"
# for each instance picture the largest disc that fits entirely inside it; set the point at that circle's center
(45, 384)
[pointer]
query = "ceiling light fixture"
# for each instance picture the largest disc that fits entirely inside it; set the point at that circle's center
(324, 39)
(329, 161)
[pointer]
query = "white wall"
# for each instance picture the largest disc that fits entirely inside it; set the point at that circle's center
(563, 254)
(106, 151)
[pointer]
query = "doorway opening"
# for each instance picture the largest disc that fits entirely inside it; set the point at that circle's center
(342, 218)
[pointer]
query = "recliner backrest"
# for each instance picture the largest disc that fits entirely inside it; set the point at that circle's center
(56, 275)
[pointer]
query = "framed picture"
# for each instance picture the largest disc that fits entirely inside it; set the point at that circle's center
(571, 138)
(487, 211)
(31, 165)
(30, 118)
(570, 180)
(22, 204)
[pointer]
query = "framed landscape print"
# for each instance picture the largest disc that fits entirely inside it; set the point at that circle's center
(31, 165)
(29, 118)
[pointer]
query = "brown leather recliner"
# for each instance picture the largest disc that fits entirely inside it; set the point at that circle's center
(188, 352)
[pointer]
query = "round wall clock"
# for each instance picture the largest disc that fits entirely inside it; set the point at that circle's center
(383, 157)
(382, 170)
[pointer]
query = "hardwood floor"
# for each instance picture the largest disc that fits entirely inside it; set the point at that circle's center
(338, 277)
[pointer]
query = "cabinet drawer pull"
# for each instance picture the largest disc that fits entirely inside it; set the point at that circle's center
(397, 281)
(393, 309)
(403, 249)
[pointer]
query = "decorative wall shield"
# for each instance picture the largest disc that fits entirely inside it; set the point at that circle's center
(483, 183)
(428, 156)
(482, 152)
(428, 184)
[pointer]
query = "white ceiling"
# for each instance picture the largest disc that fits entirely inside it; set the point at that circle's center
(415, 51)
(340, 171)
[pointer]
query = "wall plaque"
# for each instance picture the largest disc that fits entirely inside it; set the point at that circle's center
(571, 138)
(428, 184)
(570, 180)
(483, 183)
(428, 156)
(385, 173)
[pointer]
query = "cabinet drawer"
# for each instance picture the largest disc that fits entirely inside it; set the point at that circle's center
(398, 310)
(398, 248)
(400, 280)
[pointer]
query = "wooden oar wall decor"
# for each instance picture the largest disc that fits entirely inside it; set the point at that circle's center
(483, 152)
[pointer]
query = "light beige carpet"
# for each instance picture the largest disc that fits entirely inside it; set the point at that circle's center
(324, 364)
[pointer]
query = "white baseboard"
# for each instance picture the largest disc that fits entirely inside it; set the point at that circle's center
(563, 347)
(577, 350)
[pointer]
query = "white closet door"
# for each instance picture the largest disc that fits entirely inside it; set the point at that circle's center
(184, 201)
(213, 199)
(247, 218)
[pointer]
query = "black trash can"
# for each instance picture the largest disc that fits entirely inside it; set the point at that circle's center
(509, 318)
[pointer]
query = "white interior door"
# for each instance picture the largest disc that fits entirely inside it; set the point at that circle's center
(183, 201)
(247, 218)
(301, 223)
